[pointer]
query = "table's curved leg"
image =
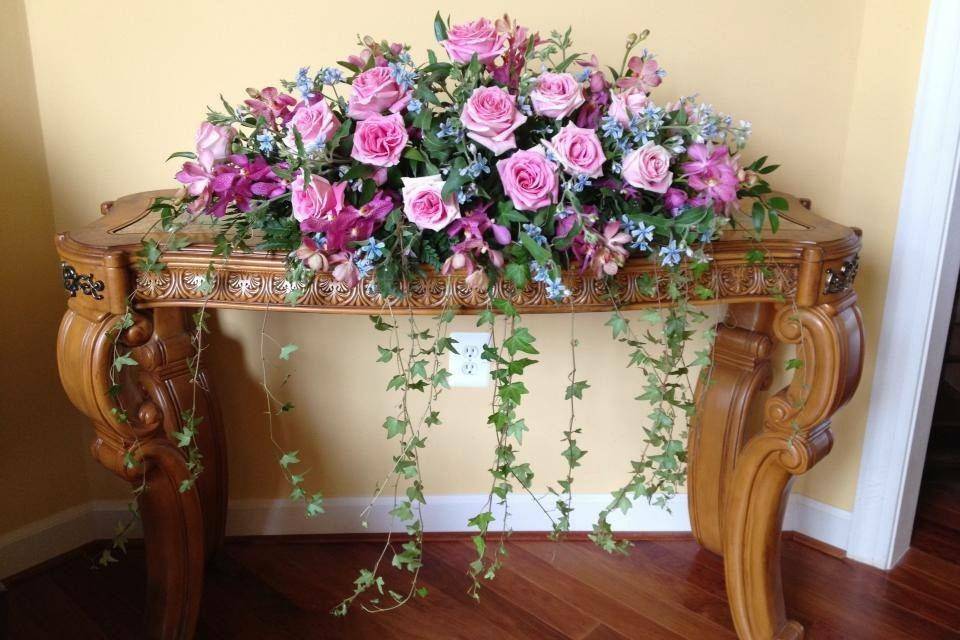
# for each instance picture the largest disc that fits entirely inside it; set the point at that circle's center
(796, 436)
(724, 396)
(153, 395)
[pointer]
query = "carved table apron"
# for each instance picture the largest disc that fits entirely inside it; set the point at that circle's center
(741, 464)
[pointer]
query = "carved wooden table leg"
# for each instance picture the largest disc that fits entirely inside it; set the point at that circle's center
(796, 435)
(741, 356)
(179, 527)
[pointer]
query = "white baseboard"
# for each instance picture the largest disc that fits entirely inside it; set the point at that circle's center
(71, 528)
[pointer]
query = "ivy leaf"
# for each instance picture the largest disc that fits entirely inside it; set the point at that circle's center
(286, 350)
(520, 340)
(394, 427)
(794, 363)
(124, 360)
(513, 392)
(419, 369)
(575, 390)
(315, 505)
(518, 274)
(516, 428)
(289, 458)
(396, 382)
(617, 324)
(539, 253)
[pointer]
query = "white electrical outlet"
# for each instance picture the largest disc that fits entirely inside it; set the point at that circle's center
(467, 368)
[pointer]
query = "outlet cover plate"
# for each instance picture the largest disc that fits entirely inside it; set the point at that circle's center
(467, 368)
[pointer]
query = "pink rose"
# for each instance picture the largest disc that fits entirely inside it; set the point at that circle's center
(478, 37)
(379, 140)
(316, 204)
(213, 143)
(315, 122)
(424, 206)
(529, 179)
(626, 104)
(490, 117)
(579, 151)
(648, 168)
(556, 95)
(376, 91)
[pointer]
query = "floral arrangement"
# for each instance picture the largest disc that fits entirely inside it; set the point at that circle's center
(516, 159)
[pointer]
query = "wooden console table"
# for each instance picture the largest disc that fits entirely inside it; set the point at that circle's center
(741, 466)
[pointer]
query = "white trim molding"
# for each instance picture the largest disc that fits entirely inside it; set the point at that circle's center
(72, 528)
(923, 273)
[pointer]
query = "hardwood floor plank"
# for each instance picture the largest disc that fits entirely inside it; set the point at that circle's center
(920, 561)
(603, 632)
(638, 592)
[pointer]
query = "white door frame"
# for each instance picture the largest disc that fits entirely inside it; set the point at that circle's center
(923, 278)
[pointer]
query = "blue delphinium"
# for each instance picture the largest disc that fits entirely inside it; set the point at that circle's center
(364, 265)
(305, 83)
(372, 249)
(265, 142)
(671, 254)
(611, 128)
(330, 76)
(535, 233)
(642, 234)
(403, 76)
(450, 128)
(476, 168)
(555, 289)
(580, 183)
(414, 106)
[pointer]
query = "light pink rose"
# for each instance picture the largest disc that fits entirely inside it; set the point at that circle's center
(556, 95)
(315, 122)
(424, 206)
(529, 179)
(648, 168)
(626, 104)
(579, 151)
(478, 37)
(316, 204)
(376, 91)
(379, 140)
(490, 118)
(213, 143)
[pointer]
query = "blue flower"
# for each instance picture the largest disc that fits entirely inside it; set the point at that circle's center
(364, 265)
(450, 129)
(405, 58)
(372, 249)
(671, 254)
(403, 76)
(611, 128)
(304, 82)
(535, 233)
(556, 290)
(584, 75)
(476, 168)
(580, 183)
(414, 106)
(616, 167)
(329, 75)
(265, 141)
(642, 234)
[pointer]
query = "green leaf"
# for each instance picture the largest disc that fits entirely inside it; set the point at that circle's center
(289, 458)
(439, 28)
(414, 154)
(124, 360)
(794, 363)
(516, 429)
(759, 213)
(386, 355)
(513, 392)
(286, 350)
(396, 382)
(394, 427)
(575, 390)
(520, 340)
(517, 273)
(540, 254)
(778, 203)
(618, 324)
(505, 307)
(315, 505)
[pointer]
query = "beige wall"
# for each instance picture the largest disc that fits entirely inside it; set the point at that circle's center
(828, 85)
(41, 452)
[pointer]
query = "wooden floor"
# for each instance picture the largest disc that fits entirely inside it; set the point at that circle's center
(666, 588)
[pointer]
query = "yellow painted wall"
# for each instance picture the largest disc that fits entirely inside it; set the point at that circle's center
(42, 468)
(828, 85)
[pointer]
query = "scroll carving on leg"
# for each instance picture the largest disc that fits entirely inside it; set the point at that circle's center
(132, 427)
(796, 435)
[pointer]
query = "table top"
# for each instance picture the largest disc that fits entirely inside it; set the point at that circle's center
(810, 260)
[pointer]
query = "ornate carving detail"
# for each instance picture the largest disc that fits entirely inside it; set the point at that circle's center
(267, 285)
(838, 281)
(84, 283)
